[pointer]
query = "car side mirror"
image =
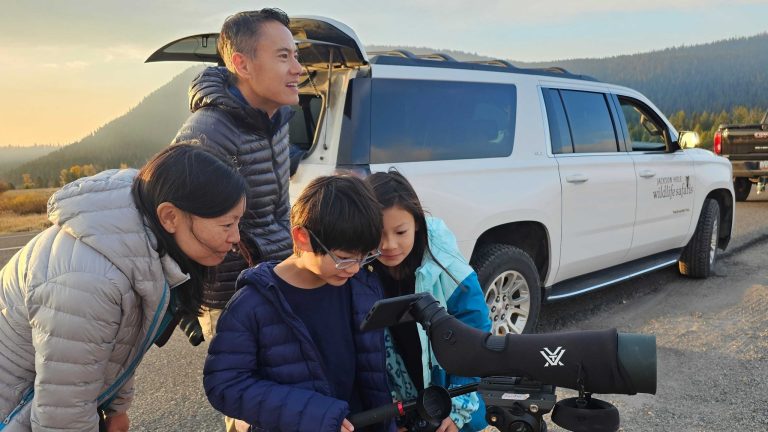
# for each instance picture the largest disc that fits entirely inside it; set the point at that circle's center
(688, 139)
(649, 126)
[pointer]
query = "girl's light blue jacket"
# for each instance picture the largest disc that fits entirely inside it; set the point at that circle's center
(459, 291)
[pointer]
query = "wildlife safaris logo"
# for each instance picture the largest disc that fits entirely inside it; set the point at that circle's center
(672, 187)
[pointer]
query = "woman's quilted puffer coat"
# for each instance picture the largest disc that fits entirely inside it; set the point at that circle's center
(79, 306)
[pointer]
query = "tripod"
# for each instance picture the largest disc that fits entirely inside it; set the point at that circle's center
(512, 405)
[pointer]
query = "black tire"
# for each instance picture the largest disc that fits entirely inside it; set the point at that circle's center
(698, 257)
(501, 268)
(741, 188)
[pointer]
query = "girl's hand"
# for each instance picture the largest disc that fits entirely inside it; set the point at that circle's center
(346, 426)
(118, 423)
(447, 426)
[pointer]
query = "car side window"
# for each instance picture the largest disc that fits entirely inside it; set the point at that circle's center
(559, 132)
(415, 120)
(644, 128)
(589, 118)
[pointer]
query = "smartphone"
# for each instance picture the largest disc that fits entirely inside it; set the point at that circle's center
(391, 311)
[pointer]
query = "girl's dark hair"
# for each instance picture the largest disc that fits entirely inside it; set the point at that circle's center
(342, 212)
(197, 182)
(393, 189)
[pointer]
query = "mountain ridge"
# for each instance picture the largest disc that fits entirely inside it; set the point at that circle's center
(710, 77)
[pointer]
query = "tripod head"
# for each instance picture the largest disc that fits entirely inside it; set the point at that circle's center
(602, 361)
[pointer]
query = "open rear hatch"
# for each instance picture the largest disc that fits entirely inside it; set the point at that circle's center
(320, 40)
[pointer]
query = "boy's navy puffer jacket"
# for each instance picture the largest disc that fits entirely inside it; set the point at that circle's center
(263, 367)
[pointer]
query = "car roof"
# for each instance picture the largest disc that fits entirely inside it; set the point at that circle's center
(401, 57)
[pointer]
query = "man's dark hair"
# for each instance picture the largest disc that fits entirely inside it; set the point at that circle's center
(342, 212)
(240, 32)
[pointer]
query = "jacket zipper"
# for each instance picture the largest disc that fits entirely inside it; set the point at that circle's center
(25, 398)
(271, 141)
(29, 394)
(140, 355)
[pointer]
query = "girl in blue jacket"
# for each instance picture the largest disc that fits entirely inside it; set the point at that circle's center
(420, 254)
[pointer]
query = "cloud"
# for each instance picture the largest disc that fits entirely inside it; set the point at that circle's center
(77, 64)
(70, 65)
(125, 52)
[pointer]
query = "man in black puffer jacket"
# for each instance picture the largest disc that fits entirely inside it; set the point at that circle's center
(242, 112)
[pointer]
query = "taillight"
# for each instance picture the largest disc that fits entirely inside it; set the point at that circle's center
(718, 143)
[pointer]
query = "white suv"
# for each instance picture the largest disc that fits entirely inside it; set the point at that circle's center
(554, 184)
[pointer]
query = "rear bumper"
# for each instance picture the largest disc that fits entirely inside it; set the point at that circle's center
(749, 168)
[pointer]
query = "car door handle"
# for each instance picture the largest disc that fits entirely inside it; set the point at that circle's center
(576, 178)
(646, 173)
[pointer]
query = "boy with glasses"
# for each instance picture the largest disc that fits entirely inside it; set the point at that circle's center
(289, 355)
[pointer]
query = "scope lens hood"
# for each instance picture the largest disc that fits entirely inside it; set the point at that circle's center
(637, 353)
(434, 403)
(596, 416)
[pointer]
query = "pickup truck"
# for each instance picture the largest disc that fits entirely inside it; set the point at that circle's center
(746, 146)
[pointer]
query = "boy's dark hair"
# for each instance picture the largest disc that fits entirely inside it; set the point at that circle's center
(342, 212)
(241, 31)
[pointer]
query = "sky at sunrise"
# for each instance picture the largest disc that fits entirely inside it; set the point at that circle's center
(68, 67)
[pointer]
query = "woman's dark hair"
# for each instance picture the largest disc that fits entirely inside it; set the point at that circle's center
(342, 212)
(197, 182)
(393, 189)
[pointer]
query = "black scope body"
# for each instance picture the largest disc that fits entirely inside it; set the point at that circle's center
(600, 361)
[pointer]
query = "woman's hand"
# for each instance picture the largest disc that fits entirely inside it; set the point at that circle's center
(118, 423)
(346, 426)
(447, 426)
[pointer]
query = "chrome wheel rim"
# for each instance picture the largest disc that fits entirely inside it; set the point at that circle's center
(509, 302)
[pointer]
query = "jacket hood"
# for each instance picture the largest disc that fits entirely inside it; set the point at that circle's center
(99, 211)
(442, 244)
(210, 89)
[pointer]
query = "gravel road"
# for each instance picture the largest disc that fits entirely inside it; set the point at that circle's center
(712, 338)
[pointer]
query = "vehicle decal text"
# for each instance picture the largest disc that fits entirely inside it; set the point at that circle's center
(672, 187)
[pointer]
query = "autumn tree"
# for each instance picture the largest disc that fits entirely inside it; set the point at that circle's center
(26, 180)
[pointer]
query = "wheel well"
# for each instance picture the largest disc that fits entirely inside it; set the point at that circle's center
(725, 201)
(531, 237)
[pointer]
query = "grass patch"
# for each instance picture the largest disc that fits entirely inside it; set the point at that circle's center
(26, 201)
(12, 223)
(24, 210)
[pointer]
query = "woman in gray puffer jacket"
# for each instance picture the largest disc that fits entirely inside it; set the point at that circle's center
(85, 299)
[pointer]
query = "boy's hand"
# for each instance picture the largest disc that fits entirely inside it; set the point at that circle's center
(447, 426)
(346, 426)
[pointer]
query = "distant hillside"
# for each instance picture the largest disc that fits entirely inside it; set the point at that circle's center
(713, 77)
(13, 156)
(131, 138)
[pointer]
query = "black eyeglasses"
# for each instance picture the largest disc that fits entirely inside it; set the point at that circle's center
(342, 264)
